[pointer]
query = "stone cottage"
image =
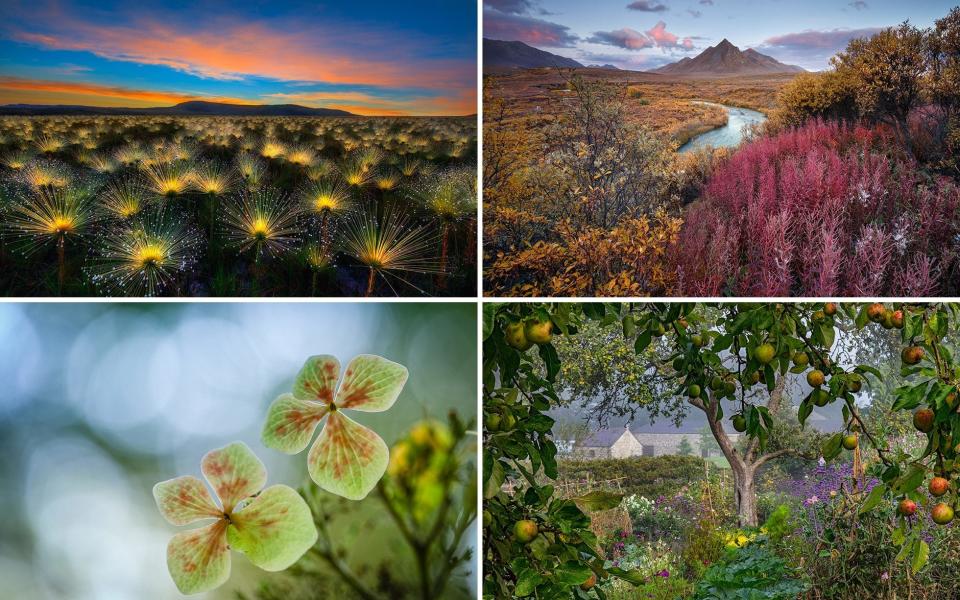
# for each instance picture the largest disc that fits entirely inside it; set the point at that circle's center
(647, 440)
(609, 443)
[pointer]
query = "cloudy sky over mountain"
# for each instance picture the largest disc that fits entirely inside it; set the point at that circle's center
(644, 34)
(375, 57)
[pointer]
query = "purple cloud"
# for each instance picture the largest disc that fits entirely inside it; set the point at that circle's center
(530, 30)
(625, 38)
(706, 2)
(812, 49)
(860, 5)
(630, 39)
(513, 7)
(647, 6)
(833, 39)
(696, 14)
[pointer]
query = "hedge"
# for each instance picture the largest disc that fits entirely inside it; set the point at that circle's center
(649, 476)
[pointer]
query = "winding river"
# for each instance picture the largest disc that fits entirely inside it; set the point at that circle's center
(730, 134)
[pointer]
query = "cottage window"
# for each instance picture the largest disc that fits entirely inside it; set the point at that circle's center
(647, 450)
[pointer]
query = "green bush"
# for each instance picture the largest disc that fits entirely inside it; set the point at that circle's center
(649, 476)
(659, 588)
(750, 573)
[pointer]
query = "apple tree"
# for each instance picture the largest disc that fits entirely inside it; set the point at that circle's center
(536, 543)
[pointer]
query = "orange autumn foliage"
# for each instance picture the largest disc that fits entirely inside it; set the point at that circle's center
(627, 260)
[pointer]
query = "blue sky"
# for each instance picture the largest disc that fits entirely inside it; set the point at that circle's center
(374, 57)
(644, 34)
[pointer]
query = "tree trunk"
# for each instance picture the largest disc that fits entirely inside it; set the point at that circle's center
(745, 492)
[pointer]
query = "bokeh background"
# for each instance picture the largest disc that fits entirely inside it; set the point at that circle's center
(100, 401)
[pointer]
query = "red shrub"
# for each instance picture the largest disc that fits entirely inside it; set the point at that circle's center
(822, 210)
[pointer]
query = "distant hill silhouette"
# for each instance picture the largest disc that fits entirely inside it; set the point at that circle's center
(192, 108)
(499, 55)
(727, 59)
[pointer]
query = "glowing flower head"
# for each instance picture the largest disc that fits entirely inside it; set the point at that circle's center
(16, 160)
(447, 196)
(387, 180)
(316, 258)
(48, 144)
(144, 256)
(251, 169)
(51, 214)
(354, 174)
(273, 527)
(347, 458)
(390, 244)
(263, 220)
(271, 149)
(212, 178)
(301, 155)
(43, 174)
(168, 179)
(330, 197)
(124, 198)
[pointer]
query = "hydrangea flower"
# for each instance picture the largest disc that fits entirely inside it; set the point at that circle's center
(347, 458)
(273, 527)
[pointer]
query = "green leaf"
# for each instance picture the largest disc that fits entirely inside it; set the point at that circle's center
(347, 459)
(527, 581)
(551, 359)
(497, 476)
(291, 422)
(806, 407)
(643, 340)
(873, 498)
(635, 577)
(274, 529)
(629, 327)
(572, 573)
(911, 480)
(831, 447)
(921, 552)
(317, 379)
(234, 472)
(598, 500)
(828, 334)
(898, 536)
(371, 384)
(185, 500)
(489, 318)
(199, 559)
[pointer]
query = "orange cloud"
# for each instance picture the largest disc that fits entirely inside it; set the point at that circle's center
(362, 103)
(14, 90)
(234, 50)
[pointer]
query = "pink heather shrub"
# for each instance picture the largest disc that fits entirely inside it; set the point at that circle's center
(826, 209)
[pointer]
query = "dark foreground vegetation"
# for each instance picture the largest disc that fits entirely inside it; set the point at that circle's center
(237, 206)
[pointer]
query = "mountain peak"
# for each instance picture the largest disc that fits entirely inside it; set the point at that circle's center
(501, 54)
(725, 59)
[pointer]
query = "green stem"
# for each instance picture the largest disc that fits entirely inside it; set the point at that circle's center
(341, 568)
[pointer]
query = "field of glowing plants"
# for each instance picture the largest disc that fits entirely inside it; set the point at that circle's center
(237, 206)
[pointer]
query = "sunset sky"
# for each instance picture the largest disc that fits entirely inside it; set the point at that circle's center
(373, 57)
(645, 34)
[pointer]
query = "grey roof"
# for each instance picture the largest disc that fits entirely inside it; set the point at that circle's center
(688, 427)
(603, 438)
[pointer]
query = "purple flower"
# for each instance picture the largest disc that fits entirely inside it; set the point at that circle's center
(664, 573)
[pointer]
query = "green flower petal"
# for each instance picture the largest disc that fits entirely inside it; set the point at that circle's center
(235, 473)
(185, 500)
(371, 384)
(347, 459)
(199, 559)
(290, 423)
(317, 379)
(274, 529)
